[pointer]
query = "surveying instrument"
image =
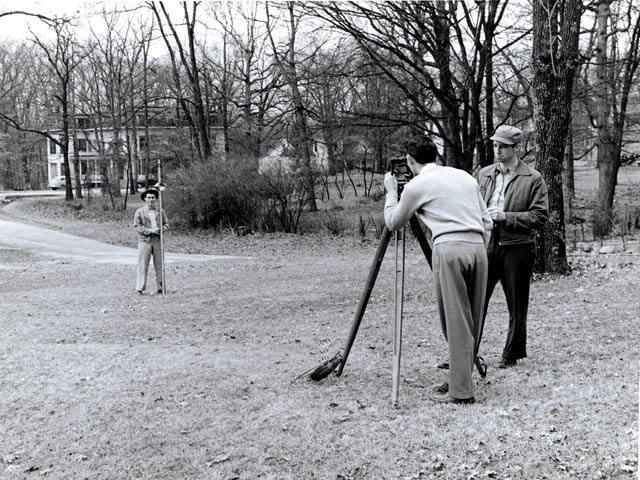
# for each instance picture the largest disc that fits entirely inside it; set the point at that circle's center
(400, 170)
(160, 187)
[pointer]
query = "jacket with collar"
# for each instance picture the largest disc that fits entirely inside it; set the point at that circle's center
(142, 224)
(526, 202)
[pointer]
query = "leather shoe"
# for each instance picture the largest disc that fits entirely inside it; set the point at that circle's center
(446, 398)
(504, 363)
(442, 388)
(443, 366)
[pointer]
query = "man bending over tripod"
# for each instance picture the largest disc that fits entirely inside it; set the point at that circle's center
(448, 201)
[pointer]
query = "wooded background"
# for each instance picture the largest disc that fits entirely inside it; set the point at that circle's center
(355, 76)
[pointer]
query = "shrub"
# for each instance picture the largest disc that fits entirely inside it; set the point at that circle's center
(220, 194)
(284, 199)
(215, 194)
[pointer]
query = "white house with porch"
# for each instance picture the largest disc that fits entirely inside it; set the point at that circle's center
(95, 147)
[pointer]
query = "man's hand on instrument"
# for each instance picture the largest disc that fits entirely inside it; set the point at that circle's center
(496, 214)
(390, 182)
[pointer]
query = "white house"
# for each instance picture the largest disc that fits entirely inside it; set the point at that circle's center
(91, 141)
(278, 161)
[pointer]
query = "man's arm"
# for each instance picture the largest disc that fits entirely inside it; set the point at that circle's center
(138, 224)
(487, 221)
(537, 212)
(398, 213)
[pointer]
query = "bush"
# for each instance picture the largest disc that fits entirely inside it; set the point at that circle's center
(215, 194)
(227, 194)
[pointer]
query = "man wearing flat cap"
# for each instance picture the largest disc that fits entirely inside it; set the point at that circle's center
(147, 221)
(516, 196)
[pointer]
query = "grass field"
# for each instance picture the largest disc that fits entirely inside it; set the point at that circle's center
(100, 383)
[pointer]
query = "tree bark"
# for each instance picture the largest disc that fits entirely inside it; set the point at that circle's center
(568, 177)
(555, 60)
(616, 74)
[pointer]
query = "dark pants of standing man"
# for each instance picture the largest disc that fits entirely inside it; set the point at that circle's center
(513, 267)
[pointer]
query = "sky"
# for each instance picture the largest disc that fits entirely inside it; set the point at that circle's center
(16, 26)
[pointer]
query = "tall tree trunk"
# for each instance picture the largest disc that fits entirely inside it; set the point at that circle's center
(568, 176)
(603, 214)
(555, 59)
(616, 76)
(453, 151)
(487, 145)
(68, 195)
(76, 154)
(246, 106)
(194, 76)
(225, 97)
(300, 118)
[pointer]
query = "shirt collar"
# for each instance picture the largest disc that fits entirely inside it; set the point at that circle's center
(428, 167)
(500, 169)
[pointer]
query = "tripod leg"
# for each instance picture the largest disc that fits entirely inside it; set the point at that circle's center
(397, 328)
(422, 239)
(364, 298)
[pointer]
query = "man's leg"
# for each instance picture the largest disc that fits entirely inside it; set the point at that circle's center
(157, 264)
(452, 258)
(515, 279)
(477, 291)
(144, 253)
(494, 271)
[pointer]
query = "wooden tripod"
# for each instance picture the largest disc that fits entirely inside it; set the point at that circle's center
(399, 290)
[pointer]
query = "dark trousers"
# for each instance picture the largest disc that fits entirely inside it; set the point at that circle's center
(513, 267)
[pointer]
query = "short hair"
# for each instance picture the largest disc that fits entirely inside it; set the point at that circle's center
(421, 148)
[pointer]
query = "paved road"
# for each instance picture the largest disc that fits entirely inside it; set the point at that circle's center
(42, 241)
(57, 244)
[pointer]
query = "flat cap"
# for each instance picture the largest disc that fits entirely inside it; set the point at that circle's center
(507, 134)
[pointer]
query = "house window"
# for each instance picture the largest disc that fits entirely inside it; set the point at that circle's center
(83, 122)
(82, 145)
(52, 147)
(143, 143)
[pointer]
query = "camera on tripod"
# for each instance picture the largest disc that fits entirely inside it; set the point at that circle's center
(400, 170)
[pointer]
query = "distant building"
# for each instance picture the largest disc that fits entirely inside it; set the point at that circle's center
(95, 145)
(279, 159)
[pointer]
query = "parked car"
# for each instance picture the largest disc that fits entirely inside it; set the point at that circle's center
(56, 182)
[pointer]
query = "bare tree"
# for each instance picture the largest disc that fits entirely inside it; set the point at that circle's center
(192, 106)
(424, 49)
(21, 95)
(555, 58)
(61, 63)
(616, 63)
(288, 66)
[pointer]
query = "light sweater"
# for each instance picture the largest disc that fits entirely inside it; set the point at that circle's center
(447, 200)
